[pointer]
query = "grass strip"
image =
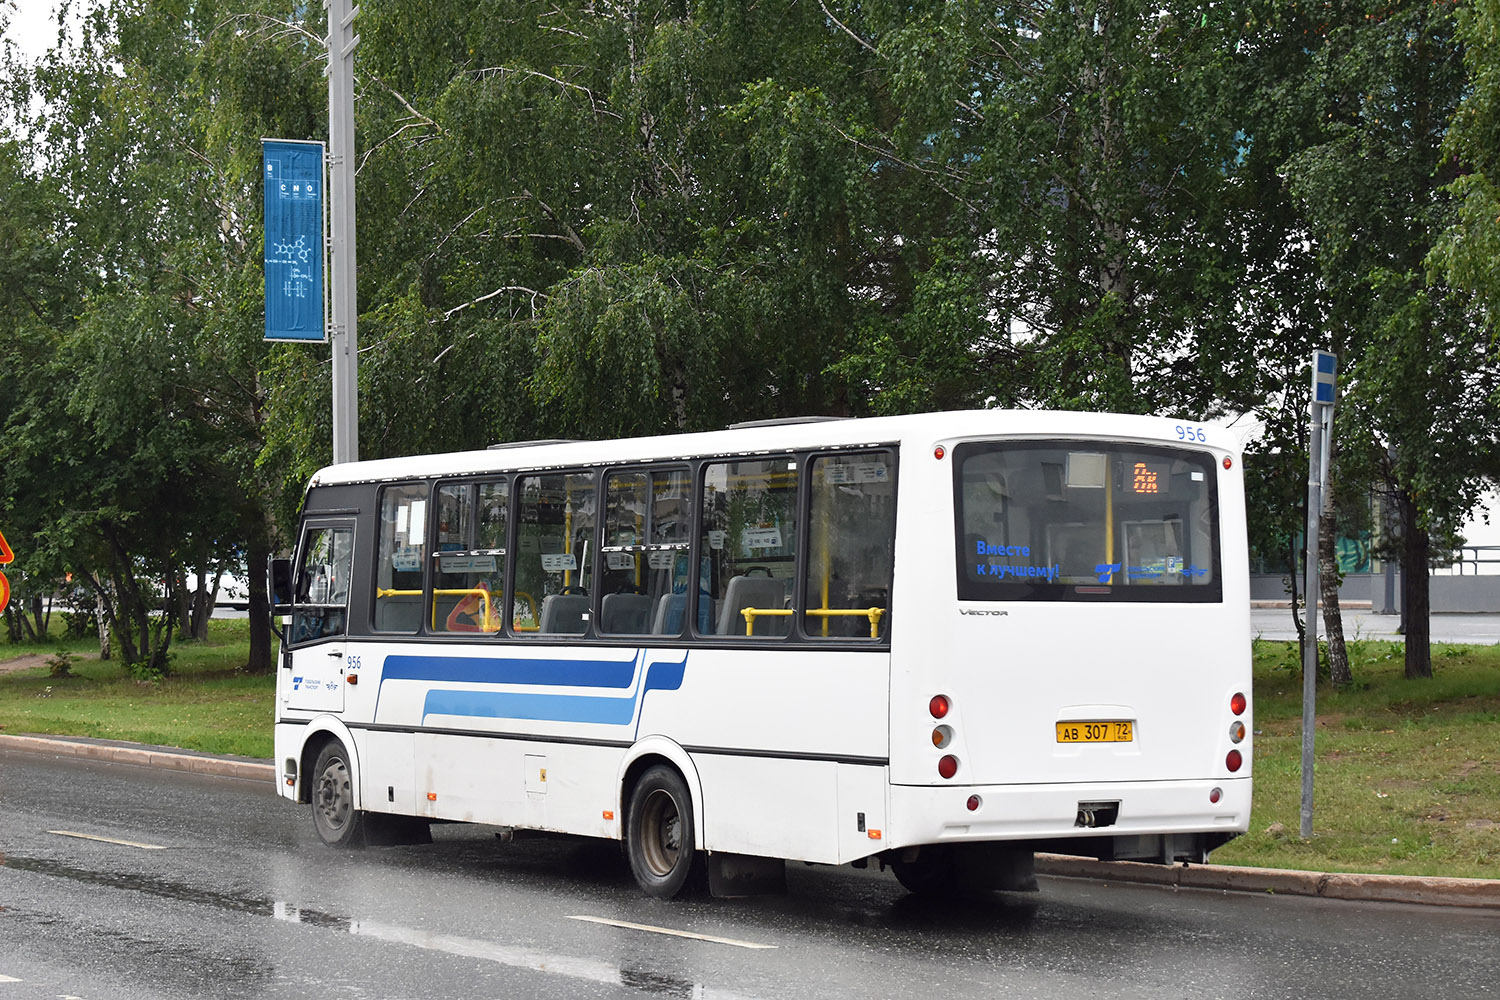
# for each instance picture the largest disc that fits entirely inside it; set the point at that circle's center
(1406, 776)
(207, 703)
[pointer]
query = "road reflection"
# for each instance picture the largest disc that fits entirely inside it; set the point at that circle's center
(590, 970)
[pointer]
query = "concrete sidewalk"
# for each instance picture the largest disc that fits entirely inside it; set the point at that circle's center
(1474, 892)
(120, 752)
(1273, 620)
(1470, 892)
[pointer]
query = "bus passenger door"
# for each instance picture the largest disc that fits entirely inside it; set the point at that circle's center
(320, 614)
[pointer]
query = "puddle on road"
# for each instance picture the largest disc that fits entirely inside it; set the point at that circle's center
(588, 969)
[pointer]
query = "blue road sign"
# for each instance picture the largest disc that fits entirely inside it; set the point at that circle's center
(293, 174)
(1325, 377)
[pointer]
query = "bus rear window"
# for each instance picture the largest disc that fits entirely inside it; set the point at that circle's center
(1086, 521)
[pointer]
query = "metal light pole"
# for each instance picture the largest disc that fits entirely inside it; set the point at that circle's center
(343, 304)
(1319, 440)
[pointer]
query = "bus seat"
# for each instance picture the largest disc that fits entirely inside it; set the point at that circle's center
(753, 592)
(398, 614)
(670, 609)
(563, 613)
(625, 614)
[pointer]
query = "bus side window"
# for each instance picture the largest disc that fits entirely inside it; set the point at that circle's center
(555, 554)
(468, 577)
(625, 607)
(643, 562)
(851, 539)
(749, 535)
(399, 557)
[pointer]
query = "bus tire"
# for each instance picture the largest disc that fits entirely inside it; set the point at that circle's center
(660, 834)
(338, 823)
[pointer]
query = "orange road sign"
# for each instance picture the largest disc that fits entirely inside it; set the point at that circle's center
(6, 558)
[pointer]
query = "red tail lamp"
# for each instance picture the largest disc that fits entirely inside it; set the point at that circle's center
(948, 766)
(1238, 704)
(1234, 761)
(938, 706)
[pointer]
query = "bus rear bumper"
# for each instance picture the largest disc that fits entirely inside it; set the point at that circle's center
(1131, 816)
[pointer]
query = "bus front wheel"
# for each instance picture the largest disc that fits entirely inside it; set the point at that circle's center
(659, 837)
(337, 821)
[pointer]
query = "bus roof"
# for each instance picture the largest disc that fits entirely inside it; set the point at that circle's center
(946, 427)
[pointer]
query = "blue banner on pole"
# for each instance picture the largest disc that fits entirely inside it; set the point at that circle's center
(293, 173)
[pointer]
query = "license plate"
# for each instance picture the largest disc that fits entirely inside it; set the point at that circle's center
(1112, 731)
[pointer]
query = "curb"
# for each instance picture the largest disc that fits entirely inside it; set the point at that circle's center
(1431, 891)
(129, 753)
(1466, 892)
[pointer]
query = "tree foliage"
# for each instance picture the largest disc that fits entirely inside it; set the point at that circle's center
(132, 437)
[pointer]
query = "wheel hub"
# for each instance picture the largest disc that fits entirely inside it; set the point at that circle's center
(333, 798)
(663, 842)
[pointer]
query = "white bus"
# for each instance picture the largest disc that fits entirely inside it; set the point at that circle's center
(943, 642)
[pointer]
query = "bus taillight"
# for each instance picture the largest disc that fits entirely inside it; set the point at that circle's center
(938, 706)
(948, 766)
(1237, 704)
(942, 736)
(1233, 761)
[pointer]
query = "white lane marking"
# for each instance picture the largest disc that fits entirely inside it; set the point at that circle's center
(588, 969)
(9, 979)
(673, 933)
(108, 840)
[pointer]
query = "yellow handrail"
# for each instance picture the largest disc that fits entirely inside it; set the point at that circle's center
(874, 614)
(752, 613)
(484, 596)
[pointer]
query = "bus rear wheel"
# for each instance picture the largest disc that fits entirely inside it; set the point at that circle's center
(337, 821)
(659, 836)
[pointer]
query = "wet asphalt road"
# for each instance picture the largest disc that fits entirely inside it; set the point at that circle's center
(241, 901)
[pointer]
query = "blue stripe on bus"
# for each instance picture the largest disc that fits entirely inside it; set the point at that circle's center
(613, 711)
(508, 670)
(540, 707)
(665, 676)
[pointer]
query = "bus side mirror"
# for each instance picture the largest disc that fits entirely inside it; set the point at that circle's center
(281, 586)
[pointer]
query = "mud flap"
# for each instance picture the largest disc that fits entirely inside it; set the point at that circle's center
(745, 875)
(995, 866)
(384, 830)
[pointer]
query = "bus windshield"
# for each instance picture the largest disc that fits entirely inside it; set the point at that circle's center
(1077, 520)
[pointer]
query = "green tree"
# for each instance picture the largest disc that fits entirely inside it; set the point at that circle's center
(1087, 154)
(1468, 254)
(1418, 402)
(135, 443)
(631, 218)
